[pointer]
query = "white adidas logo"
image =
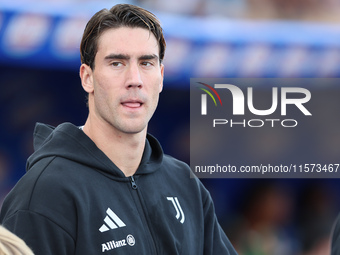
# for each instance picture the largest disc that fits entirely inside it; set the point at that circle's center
(112, 221)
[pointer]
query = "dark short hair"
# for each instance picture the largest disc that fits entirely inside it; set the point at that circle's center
(120, 15)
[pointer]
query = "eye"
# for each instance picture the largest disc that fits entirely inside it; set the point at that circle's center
(116, 64)
(147, 63)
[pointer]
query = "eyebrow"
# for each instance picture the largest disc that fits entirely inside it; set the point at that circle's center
(127, 57)
(148, 57)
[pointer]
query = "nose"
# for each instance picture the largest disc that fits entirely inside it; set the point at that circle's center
(134, 77)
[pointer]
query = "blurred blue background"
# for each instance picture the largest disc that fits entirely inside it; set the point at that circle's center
(39, 63)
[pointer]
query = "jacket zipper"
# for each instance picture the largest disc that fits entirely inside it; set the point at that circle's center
(133, 183)
(135, 187)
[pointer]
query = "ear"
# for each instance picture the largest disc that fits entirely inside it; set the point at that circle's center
(86, 76)
(162, 74)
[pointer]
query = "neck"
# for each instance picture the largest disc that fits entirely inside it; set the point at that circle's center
(124, 150)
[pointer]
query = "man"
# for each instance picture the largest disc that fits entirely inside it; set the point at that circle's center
(12, 244)
(107, 187)
(335, 237)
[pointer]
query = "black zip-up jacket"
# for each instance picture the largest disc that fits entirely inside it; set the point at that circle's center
(74, 200)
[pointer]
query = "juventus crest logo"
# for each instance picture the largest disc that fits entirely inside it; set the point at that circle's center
(178, 208)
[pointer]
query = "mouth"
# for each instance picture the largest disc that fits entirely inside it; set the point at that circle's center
(132, 103)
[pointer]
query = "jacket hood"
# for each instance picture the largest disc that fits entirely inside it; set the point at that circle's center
(70, 142)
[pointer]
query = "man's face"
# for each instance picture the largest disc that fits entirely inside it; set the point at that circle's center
(126, 80)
